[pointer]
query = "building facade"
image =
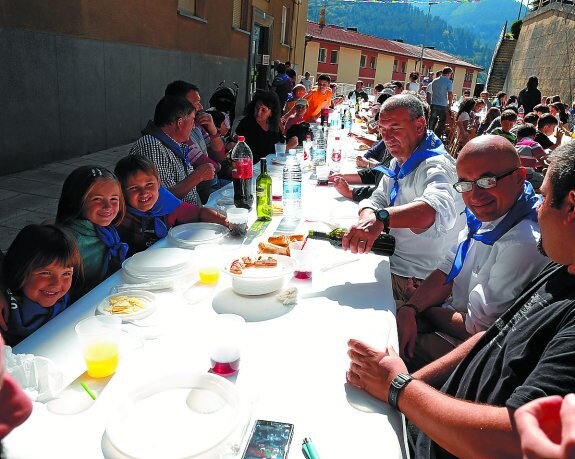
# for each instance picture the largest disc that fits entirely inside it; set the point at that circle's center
(347, 56)
(82, 76)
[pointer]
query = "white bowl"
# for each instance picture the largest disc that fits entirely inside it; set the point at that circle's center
(158, 419)
(259, 281)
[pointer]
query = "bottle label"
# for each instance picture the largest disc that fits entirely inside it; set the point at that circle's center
(242, 169)
(292, 190)
(260, 191)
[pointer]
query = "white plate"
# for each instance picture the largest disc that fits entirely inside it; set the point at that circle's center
(148, 298)
(157, 261)
(192, 234)
(251, 308)
(156, 421)
(259, 281)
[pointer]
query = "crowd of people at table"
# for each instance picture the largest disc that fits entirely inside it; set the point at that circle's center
(483, 272)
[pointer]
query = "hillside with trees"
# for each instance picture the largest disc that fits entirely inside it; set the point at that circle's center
(412, 24)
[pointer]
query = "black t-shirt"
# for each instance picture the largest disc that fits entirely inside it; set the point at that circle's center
(358, 95)
(529, 352)
(543, 140)
(262, 143)
(529, 98)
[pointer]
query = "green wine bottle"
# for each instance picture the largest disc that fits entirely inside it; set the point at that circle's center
(264, 193)
(383, 245)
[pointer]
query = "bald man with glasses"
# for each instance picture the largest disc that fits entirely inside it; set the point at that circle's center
(495, 258)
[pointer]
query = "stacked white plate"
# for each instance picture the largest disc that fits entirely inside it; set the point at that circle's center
(189, 235)
(163, 264)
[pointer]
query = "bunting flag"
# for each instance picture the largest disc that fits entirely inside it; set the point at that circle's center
(422, 2)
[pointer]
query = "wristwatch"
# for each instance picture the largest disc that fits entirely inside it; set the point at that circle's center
(397, 386)
(382, 215)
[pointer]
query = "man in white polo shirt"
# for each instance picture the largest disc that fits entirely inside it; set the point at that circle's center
(415, 198)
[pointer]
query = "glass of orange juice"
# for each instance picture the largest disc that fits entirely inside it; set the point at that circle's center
(99, 337)
(208, 259)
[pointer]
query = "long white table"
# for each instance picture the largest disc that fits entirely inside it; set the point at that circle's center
(292, 366)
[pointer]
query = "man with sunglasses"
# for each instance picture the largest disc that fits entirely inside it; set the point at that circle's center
(527, 353)
(495, 258)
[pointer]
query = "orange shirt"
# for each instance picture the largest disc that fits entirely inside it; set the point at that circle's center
(317, 101)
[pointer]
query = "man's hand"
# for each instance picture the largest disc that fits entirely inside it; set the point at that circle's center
(204, 172)
(407, 331)
(205, 119)
(373, 370)
(341, 186)
(360, 161)
(547, 427)
(360, 237)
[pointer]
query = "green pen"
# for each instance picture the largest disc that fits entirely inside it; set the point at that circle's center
(88, 391)
(313, 454)
(305, 450)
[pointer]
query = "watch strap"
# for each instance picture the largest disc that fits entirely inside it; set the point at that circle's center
(396, 387)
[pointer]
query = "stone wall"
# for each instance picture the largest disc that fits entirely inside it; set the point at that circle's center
(545, 48)
(65, 96)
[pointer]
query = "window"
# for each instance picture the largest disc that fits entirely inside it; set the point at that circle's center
(321, 55)
(333, 57)
(240, 14)
(190, 8)
(403, 67)
(362, 61)
(395, 65)
(285, 30)
(469, 75)
(372, 62)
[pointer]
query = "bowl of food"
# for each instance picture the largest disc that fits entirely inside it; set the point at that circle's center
(259, 274)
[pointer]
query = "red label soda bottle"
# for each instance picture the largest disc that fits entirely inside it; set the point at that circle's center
(242, 174)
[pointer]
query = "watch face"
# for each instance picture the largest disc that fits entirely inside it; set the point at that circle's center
(383, 215)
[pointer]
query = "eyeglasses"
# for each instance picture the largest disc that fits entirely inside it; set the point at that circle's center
(484, 182)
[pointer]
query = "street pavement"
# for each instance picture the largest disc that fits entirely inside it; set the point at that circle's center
(31, 196)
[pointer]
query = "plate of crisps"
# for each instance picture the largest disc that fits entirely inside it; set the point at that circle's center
(129, 305)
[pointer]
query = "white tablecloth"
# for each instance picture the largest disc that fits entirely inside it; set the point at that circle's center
(292, 367)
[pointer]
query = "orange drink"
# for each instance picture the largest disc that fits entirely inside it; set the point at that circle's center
(209, 275)
(101, 359)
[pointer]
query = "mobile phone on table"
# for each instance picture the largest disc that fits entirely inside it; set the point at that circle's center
(269, 439)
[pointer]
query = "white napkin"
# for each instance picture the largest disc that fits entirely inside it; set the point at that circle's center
(40, 378)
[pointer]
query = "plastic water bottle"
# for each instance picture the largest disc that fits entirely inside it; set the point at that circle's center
(521, 112)
(348, 121)
(292, 187)
(336, 155)
(319, 149)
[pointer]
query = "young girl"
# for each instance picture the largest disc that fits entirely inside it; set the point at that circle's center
(90, 205)
(151, 209)
(38, 271)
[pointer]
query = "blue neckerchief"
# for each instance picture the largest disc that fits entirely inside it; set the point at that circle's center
(180, 150)
(524, 208)
(165, 205)
(26, 316)
(117, 249)
(429, 147)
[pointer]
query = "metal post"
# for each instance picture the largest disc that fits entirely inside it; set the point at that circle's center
(424, 36)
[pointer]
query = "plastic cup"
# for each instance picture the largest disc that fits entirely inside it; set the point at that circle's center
(208, 259)
(303, 259)
(280, 150)
(225, 344)
(238, 218)
(99, 337)
(322, 174)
